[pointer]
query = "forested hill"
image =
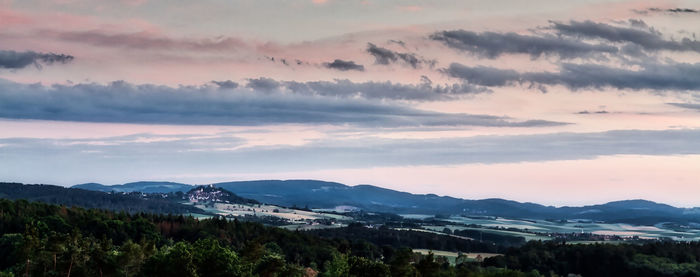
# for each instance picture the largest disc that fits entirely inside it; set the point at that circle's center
(212, 194)
(131, 203)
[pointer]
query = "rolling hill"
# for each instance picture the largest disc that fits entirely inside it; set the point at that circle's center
(128, 202)
(321, 194)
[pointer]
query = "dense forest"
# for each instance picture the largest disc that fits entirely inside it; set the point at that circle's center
(39, 239)
(658, 258)
(416, 239)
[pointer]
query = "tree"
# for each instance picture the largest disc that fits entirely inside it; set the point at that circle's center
(212, 259)
(360, 266)
(427, 266)
(338, 267)
(130, 258)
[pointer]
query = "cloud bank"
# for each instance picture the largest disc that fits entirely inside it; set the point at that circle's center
(222, 153)
(675, 76)
(207, 105)
(492, 44)
(575, 39)
(648, 38)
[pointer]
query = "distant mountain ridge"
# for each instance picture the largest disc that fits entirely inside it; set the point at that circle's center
(129, 202)
(143, 186)
(322, 194)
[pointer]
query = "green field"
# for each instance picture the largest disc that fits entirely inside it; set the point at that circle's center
(452, 256)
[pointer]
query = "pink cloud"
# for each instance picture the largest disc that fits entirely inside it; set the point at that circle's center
(11, 18)
(146, 40)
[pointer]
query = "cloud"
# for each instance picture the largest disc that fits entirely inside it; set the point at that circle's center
(594, 112)
(492, 45)
(670, 11)
(228, 84)
(15, 60)
(263, 84)
(682, 10)
(483, 75)
(648, 38)
(344, 88)
(505, 149)
(206, 105)
(146, 41)
(220, 153)
(386, 56)
(686, 106)
(344, 65)
(674, 76)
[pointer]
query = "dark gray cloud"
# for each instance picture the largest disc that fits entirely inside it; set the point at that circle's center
(207, 105)
(483, 75)
(228, 84)
(425, 91)
(493, 45)
(682, 10)
(263, 84)
(15, 60)
(675, 76)
(648, 38)
(344, 65)
(381, 55)
(669, 11)
(386, 56)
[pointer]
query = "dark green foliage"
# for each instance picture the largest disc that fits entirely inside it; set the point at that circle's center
(360, 266)
(650, 259)
(39, 239)
(499, 239)
(399, 238)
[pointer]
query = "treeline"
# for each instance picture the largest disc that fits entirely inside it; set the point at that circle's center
(405, 238)
(659, 258)
(38, 239)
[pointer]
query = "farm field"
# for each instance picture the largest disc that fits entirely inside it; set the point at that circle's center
(297, 219)
(527, 236)
(452, 256)
(543, 226)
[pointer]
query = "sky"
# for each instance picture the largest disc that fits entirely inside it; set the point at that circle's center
(547, 101)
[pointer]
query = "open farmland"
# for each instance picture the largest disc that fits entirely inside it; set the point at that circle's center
(597, 228)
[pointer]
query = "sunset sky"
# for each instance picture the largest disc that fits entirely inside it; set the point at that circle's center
(547, 101)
